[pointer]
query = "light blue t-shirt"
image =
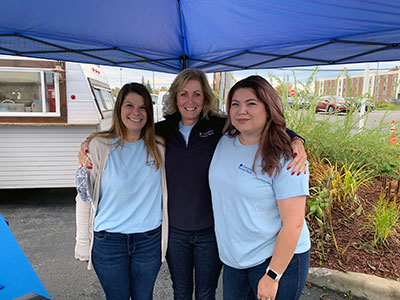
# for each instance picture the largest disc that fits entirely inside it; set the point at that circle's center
(185, 131)
(246, 213)
(130, 192)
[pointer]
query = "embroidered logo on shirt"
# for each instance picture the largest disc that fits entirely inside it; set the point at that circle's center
(150, 163)
(206, 134)
(244, 168)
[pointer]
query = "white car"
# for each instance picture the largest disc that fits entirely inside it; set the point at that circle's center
(158, 103)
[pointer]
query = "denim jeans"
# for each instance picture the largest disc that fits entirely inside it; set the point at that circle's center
(127, 264)
(188, 250)
(241, 284)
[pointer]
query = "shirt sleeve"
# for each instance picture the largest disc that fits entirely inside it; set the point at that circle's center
(293, 134)
(286, 185)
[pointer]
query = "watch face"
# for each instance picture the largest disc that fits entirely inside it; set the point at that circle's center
(272, 274)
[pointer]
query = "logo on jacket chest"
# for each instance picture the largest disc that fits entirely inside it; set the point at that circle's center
(206, 134)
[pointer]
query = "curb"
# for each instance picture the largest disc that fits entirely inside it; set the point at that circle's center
(370, 287)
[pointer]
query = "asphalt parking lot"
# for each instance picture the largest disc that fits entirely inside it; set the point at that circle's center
(43, 222)
(373, 118)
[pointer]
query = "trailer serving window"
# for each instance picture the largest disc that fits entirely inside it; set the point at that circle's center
(102, 94)
(29, 92)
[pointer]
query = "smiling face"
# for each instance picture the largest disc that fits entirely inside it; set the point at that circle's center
(133, 116)
(248, 115)
(190, 101)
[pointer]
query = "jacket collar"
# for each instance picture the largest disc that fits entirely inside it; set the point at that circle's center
(176, 117)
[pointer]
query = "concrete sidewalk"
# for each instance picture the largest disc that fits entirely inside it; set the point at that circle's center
(361, 285)
(43, 222)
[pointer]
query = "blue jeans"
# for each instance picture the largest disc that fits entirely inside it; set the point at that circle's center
(127, 264)
(188, 250)
(241, 284)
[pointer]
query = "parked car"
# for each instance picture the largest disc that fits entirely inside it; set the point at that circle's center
(332, 104)
(298, 102)
(154, 97)
(369, 105)
(395, 101)
(158, 105)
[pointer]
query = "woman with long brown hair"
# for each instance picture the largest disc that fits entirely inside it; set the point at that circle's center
(119, 233)
(258, 204)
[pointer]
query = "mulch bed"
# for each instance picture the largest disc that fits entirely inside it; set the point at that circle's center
(354, 241)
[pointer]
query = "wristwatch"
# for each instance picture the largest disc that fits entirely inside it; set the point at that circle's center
(272, 274)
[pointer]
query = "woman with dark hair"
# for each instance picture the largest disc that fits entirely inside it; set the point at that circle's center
(119, 233)
(192, 128)
(258, 205)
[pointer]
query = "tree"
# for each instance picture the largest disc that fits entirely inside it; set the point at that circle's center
(115, 91)
(283, 88)
(148, 86)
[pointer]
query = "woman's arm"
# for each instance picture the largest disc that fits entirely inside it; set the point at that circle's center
(300, 156)
(84, 209)
(82, 243)
(291, 211)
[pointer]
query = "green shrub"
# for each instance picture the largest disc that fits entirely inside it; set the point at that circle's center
(340, 140)
(385, 220)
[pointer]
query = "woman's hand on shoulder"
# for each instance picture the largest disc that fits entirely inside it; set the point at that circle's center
(299, 162)
(83, 157)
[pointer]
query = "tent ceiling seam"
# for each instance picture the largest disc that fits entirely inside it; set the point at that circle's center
(213, 63)
(80, 51)
(364, 53)
(184, 56)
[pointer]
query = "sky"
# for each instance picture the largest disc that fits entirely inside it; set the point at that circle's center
(116, 75)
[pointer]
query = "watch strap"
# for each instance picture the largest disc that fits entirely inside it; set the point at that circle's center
(272, 274)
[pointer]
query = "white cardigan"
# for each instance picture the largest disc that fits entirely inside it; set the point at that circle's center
(99, 151)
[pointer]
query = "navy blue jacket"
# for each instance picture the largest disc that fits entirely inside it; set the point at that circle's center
(189, 196)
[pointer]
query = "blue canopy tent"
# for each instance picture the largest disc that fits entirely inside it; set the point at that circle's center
(213, 35)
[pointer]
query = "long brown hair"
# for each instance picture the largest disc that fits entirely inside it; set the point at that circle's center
(210, 106)
(274, 142)
(118, 129)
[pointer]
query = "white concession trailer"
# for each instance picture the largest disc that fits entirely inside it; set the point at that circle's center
(47, 108)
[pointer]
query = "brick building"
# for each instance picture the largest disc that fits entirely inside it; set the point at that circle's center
(382, 85)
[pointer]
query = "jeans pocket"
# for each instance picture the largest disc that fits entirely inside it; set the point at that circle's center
(153, 233)
(100, 235)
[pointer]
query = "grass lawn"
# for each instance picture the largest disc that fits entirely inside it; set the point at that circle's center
(395, 107)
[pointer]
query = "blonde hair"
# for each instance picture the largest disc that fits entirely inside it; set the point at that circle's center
(210, 106)
(118, 129)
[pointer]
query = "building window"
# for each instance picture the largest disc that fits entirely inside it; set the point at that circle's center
(27, 92)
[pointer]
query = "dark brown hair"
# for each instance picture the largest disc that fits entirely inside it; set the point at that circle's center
(274, 142)
(118, 129)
